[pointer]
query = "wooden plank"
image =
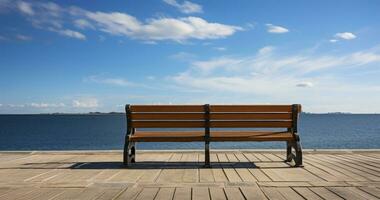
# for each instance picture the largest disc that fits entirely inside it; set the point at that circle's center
(362, 193)
(165, 194)
(345, 193)
(250, 116)
(289, 194)
(110, 193)
(307, 193)
(167, 108)
(371, 190)
(272, 193)
(151, 175)
(167, 124)
(217, 194)
(69, 193)
(223, 136)
(200, 193)
(329, 169)
(250, 108)
(147, 194)
(253, 193)
(167, 116)
(167, 136)
(130, 193)
(233, 193)
(172, 175)
(250, 124)
(341, 168)
(191, 174)
(324, 193)
(182, 194)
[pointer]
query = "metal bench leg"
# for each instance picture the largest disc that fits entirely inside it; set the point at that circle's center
(133, 152)
(297, 157)
(207, 154)
(289, 156)
(129, 153)
(126, 152)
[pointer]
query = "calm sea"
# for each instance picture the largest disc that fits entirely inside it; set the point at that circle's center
(99, 132)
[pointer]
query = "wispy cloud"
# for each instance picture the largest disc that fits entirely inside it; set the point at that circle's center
(25, 8)
(85, 103)
(305, 84)
(276, 29)
(109, 81)
(269, 76)
(46, 105)
(177, 29)
(220, 48)
(70, 33)
(53, 17)
(23, 37)
(345, 36)
(186, 7)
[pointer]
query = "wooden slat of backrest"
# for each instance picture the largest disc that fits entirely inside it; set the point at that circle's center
(168, 124)
(167, 108)
(168, 116)
(251, 108)
(250, 116)
(251, 124)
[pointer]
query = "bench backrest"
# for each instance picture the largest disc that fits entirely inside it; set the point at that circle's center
(252, 116)
(213, 116)
(166, 116)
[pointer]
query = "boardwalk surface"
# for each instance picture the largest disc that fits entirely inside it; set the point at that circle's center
(180, 175)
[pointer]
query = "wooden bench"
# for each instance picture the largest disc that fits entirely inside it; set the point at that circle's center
(213, 123)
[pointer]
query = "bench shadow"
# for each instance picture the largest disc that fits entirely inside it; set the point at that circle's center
(152, 165)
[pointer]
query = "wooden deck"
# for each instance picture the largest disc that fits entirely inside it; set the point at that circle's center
(180, 175)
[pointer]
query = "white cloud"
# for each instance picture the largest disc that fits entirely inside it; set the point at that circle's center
(183, 56)
(25, 8)
(83, 24)
(109, 81)
(23, 37)
(220, 48)
(333, 40)
(52, 17)
(179, 30)
(276, 29)
(85, 103)
(186, 7)
(305, 84)
(345, 36)
(268, 76)
(47, 105)
(71, 33)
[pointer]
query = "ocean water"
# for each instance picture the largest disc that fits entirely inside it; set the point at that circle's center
(100, 132)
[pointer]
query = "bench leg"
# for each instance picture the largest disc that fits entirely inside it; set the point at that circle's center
(129, 153)
(207, 154)
(297, 157)
(289, 155)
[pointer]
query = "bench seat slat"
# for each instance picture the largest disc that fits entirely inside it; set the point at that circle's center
(167, 136)
(215, 136)
(250, 124)
(168, 124)
(168, 116)
(220, 136)
(167, 108)
(250, 108)
(251, 116)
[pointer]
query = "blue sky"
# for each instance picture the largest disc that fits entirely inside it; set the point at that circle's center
(76, 56)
